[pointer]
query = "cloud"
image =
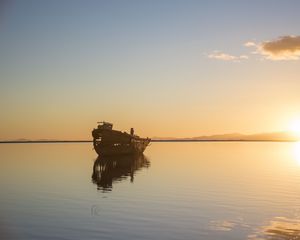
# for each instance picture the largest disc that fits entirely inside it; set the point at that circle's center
(243, 57)
(282, 48)
(250, 44)
(226, 57)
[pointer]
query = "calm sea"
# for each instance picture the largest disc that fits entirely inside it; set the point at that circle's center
(200, 190)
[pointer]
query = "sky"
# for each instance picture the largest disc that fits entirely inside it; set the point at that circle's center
(167, 68)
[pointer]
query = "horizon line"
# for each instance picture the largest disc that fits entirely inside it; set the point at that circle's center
(157, 140)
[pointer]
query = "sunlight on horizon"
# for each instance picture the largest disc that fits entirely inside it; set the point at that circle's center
(294, 128)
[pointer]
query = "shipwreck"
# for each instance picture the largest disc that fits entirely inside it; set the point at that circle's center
(107, 141)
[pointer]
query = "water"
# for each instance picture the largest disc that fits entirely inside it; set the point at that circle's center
(176, 191)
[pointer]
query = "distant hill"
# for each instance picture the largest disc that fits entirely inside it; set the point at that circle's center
(275, 136)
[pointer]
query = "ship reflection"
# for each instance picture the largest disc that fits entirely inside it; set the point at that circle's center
(107, 170)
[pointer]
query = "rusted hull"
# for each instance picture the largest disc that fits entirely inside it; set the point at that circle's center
(135, 147)
(111, 142)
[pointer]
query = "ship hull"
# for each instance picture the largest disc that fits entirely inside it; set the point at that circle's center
(107, 141)
(136, 147)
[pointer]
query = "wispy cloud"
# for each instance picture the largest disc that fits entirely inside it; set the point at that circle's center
(249, 44)
(226, 57)
(282, 48)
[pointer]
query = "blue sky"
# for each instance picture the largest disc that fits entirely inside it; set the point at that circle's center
(68, 64)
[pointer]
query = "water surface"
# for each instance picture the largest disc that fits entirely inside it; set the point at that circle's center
(200, 190)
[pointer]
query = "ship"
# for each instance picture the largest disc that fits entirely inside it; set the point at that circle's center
(107, 141)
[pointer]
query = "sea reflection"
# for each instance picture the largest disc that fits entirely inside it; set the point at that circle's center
(280, 228)
(107, 170)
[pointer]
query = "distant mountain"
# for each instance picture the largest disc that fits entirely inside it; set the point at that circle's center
(275, 136)
(22, 139)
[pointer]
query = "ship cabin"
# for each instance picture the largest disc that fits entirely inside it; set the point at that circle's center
(105, 125)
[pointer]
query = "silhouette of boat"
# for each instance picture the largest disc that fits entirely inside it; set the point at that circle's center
(110, 169)
(107, 141)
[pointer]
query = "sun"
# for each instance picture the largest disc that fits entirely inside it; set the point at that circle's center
(294, 127)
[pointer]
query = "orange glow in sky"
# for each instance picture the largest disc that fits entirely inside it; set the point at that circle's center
(168, 69)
